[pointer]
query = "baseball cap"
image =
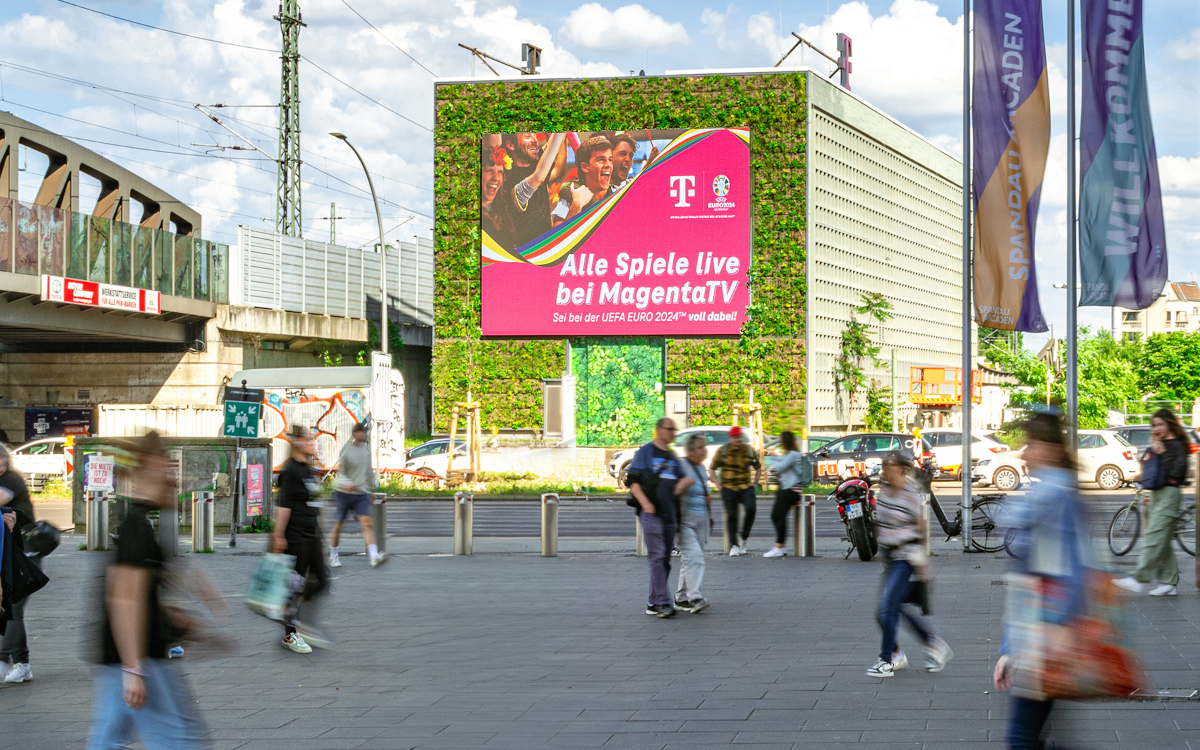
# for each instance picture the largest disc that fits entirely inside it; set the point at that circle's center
(735, 430)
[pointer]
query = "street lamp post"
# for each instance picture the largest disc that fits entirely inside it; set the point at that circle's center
(383, 296)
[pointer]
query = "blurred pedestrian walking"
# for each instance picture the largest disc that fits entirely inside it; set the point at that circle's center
(906, 578)
(136, 690)
(695, 512)
(14, 647)
(1164, 472)
(1049, 544)
(736, 471)
(298, 533)
(654, 481)
(355, 480)
(788, 470)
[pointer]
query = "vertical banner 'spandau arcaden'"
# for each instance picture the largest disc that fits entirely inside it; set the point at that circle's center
(1012, 138)
(643, 232)
(1122, 241)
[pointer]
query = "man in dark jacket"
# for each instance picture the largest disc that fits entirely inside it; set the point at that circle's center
(654, 480)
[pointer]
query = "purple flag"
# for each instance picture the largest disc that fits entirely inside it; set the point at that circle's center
(1122, 242)
(1012, 138)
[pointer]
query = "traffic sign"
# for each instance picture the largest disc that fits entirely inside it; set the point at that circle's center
(243, 394)
(241, 419)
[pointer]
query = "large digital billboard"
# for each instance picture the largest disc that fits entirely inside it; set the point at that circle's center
(629, 233)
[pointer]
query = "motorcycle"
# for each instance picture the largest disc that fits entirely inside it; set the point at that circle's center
(855, 501)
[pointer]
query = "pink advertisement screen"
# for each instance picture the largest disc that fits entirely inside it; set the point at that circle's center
(634, 233)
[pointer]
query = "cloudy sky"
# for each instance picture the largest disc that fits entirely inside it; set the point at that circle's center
(129, 91)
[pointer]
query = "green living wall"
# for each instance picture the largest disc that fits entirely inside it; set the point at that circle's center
(506, 375)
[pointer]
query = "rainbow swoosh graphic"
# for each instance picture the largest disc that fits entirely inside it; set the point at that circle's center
(552, 248)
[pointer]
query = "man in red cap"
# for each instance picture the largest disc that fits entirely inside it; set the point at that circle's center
(730, 472)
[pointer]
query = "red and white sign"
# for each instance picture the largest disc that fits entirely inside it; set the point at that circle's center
(95, 294)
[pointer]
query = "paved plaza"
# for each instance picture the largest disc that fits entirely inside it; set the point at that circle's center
(506, 649)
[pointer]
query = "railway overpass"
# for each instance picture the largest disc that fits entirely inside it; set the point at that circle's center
(96, 309)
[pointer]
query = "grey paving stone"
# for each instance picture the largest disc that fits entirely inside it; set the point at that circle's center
(510, 650)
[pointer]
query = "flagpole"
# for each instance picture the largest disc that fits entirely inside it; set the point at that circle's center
(967, 386)
(1072, 293)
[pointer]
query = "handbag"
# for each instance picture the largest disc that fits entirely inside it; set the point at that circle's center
(27, 578)
(1089, 656)
(271, 586)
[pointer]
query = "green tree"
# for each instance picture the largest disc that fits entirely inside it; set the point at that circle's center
(1107, 377)
(857, 346)
(1168, 365)
(879, 408)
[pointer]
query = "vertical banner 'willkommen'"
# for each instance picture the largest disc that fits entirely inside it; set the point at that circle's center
(1012, 137)
(1123, 247)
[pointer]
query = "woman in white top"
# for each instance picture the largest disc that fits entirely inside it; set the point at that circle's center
(787, 468)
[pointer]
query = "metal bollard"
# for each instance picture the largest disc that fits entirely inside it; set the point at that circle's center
(202, 521)
(96, 520)
(639, 539)
(804, 526)
(379, 519)
(741, 524)
(463, 504)
(550, 524)
(926, 539)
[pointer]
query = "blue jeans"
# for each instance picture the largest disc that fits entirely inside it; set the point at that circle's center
(168, 721)
(1025, 721)
(660, 536)
(896, 587)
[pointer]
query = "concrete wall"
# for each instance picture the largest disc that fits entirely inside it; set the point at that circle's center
(171, 378)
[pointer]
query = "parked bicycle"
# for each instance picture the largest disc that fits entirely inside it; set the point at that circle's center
(1126, 526)
(986, 535)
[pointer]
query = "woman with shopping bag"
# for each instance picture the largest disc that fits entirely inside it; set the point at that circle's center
(1063, 635)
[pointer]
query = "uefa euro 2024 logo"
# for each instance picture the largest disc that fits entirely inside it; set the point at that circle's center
(721, 186)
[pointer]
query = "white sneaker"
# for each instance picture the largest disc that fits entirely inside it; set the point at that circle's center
(293, 642)
(1165, 589)
(378, 560)
(334, 562)
(937, 653)
(776, 552)
(1129, 583)
(19, 673)
(899, 660)
(881, 668)
(734, 551)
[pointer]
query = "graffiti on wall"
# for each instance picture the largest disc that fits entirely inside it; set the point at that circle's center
(330, 413)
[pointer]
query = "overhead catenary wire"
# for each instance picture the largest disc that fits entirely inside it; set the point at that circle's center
(168, 31)
(389, 41)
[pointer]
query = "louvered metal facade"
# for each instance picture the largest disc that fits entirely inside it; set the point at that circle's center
(294, 275)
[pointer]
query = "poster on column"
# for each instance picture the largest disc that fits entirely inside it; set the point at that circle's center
(1122, 240)
(615, 233)
(1012, 139)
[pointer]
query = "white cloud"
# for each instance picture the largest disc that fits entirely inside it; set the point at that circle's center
(630, 27)
(1185, 49)
(715, 25)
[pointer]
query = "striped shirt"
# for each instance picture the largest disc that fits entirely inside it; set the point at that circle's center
(897, 516)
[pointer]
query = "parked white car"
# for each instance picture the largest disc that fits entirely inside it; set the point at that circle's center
(948, 448)
(44, 457)
(715, 436)
(430, 458)
(1104, 457)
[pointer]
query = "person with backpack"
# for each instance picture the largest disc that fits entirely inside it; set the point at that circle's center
(1164, 472)
(14, 495)
(789, 469)
(735, 472)
(654, 481)
(694, 515)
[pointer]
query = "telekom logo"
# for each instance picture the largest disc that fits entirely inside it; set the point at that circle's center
(683, 187)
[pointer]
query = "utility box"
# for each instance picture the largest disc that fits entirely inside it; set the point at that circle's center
(678, 402)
